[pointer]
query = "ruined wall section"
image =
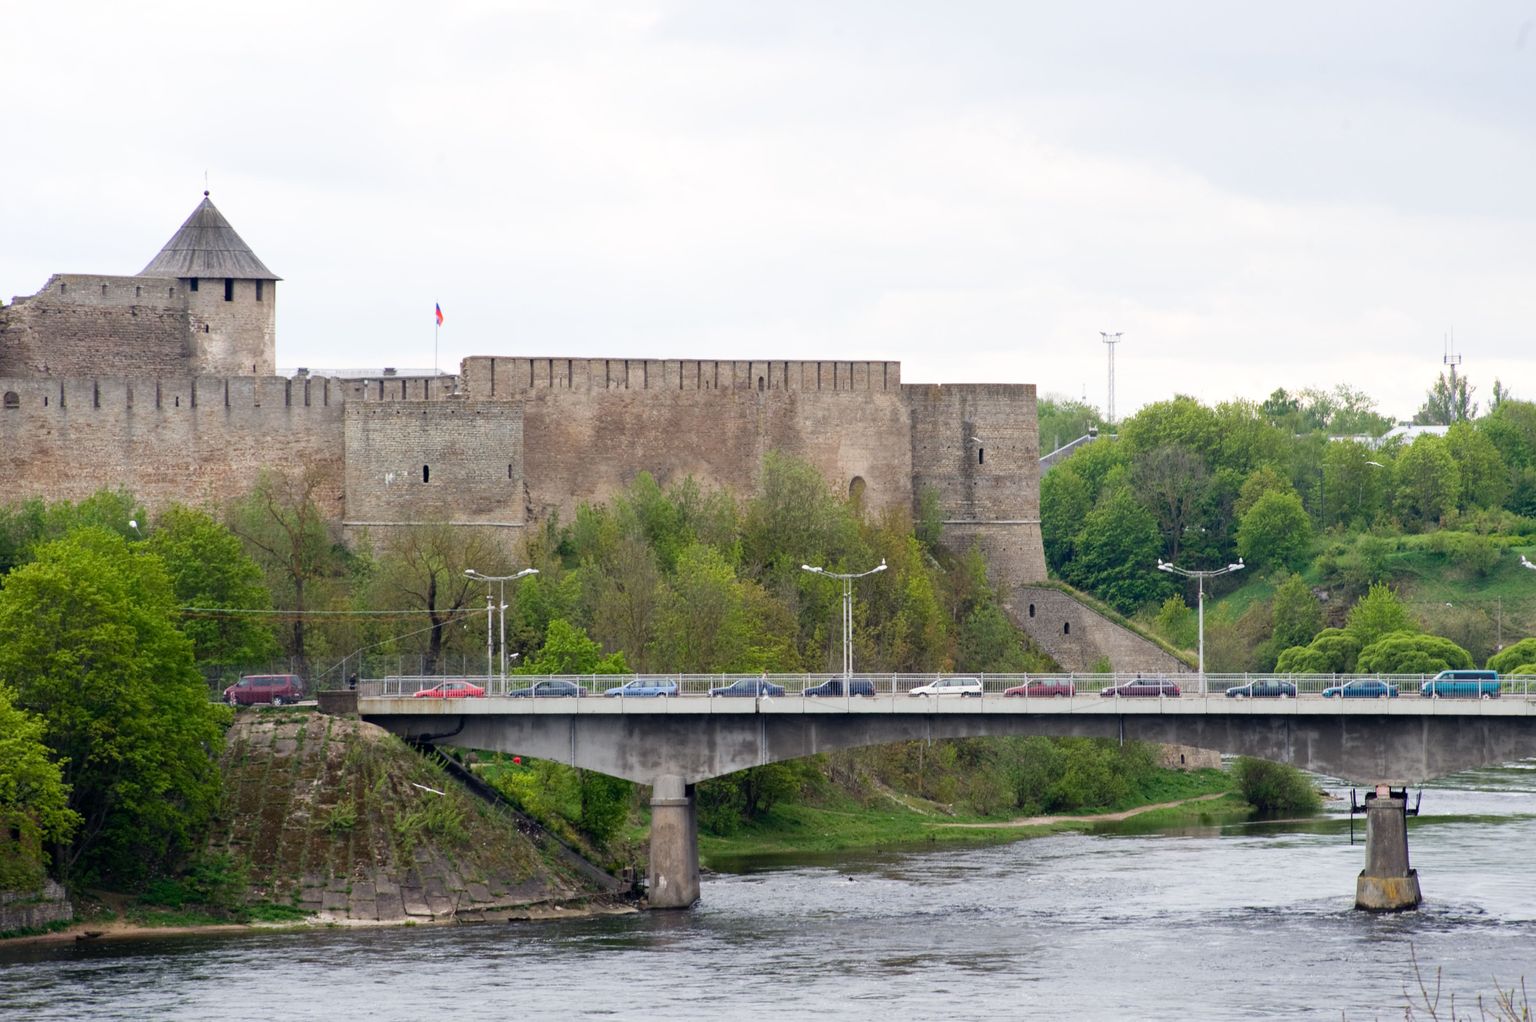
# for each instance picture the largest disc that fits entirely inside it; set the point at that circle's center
(977, 446)
(419, 462)
(189, 440)
(83, 325)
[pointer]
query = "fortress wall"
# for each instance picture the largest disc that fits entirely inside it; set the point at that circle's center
(402, 388)
(585, 445)
(190, 440)
(489, 378)
(978, 447)
(430, 461)
(78, 321)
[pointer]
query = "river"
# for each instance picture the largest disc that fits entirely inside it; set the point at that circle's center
(1235, 922)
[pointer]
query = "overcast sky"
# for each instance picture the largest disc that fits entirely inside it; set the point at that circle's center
(1257, 196)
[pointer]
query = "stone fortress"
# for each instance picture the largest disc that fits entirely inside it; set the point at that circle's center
(164, 383)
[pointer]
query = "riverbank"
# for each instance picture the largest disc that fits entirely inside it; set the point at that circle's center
(892, 820)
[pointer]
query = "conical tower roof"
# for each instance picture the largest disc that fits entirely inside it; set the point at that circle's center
(206, 246)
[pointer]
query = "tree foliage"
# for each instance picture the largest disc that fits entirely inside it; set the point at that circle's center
(1275, 789)
(1117, 554)
(33, 797)
(1379, 612)
(1412, 653)
(1510, 657)
(91, 648)
(1275, 532)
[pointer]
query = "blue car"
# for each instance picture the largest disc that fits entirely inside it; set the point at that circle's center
(1362, 688)
(644, 688)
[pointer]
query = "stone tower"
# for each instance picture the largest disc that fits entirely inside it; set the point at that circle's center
(231, 296)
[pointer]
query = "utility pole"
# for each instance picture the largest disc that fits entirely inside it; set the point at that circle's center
(1110, 340)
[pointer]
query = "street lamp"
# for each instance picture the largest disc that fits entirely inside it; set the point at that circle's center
(501, 598)
(847, 579)
(1200, 576)
(1526, 564)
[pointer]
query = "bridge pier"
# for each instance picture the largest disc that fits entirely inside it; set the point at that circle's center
(1387, 883)
(674, 870)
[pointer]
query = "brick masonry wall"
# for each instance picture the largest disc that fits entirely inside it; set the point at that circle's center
(235, 337)
(434, 461)
(487, 377)
(1077, 637)
(80, 325)
(191, 440)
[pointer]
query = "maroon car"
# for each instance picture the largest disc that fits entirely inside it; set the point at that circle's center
(457, 689)
(1142, 688)
(276, 689)
(1044, 688)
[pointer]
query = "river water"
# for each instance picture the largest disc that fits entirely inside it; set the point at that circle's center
(1204, 923)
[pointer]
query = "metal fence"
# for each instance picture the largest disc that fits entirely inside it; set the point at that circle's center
(1023, 686)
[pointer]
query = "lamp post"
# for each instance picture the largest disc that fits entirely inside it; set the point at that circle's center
(847, 580)
(1200, 575)
(501, 599)
(1526, 564)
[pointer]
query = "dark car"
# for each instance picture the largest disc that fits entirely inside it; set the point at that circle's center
(457, 689)
(834, 687)
(276, 689)
(752, 687)
(552, 688)
(1263, 688)
(1141, 688)
(1362, 688)
(1044, 688)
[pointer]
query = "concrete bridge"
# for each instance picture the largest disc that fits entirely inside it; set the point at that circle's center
(673, 743)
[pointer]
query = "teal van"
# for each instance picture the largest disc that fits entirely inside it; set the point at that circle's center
(1462, 685)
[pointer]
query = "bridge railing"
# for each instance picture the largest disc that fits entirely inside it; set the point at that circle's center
(1024, 686)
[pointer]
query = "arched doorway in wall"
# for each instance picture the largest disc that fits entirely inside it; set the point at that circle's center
(856, 489)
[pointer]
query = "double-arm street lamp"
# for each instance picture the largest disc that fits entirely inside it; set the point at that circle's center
(1526, 564)
(1200, 576)
(847, 579)
(501, 598)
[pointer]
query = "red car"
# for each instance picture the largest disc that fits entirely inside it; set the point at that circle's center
(1044, 688)
(452, 690)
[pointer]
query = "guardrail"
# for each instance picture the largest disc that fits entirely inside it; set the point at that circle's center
(1025, 686)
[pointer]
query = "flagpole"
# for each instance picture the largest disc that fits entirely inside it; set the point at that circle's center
(436, 326)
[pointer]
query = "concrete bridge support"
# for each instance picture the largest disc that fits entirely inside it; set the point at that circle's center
(1387, 883)
(674, 871)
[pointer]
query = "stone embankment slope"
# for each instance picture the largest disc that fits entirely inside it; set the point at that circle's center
(341, 819)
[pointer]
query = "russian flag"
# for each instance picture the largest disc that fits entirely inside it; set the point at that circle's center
(439, 314)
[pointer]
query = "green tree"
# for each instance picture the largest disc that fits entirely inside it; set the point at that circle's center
(1182, 422)
(1117, 554)
(568, 650)
(1379, 612)
(1355, 481)
(422, 566)
(1448, 400)
(1412, 653)
(33, 798)
(1275, 531)
(1485, 479)
(1510, 657)
(1064, 502)
(1295, 616)
(1428, 481)
(284, 530)
(1331, 651)
(209, 568)
(1275, 788)
(1171, 482)
(1062, 420)
(91, 648)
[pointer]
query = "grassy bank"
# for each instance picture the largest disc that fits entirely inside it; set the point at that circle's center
(838, 823)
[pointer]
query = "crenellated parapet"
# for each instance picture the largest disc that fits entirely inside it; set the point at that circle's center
(492, 378)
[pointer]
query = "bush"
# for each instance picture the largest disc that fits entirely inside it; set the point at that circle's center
(1509, 659)
(1275, 788)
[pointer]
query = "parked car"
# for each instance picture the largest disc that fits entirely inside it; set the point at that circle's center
(949, 687)
(553, 688)
(650, 688)
(1044, 688)
(1362, 688)
(1263, 688)
(834, 687)
(1462, 685)
(276, 689)
(749, 687)
(1140, 688)
(456, 689)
